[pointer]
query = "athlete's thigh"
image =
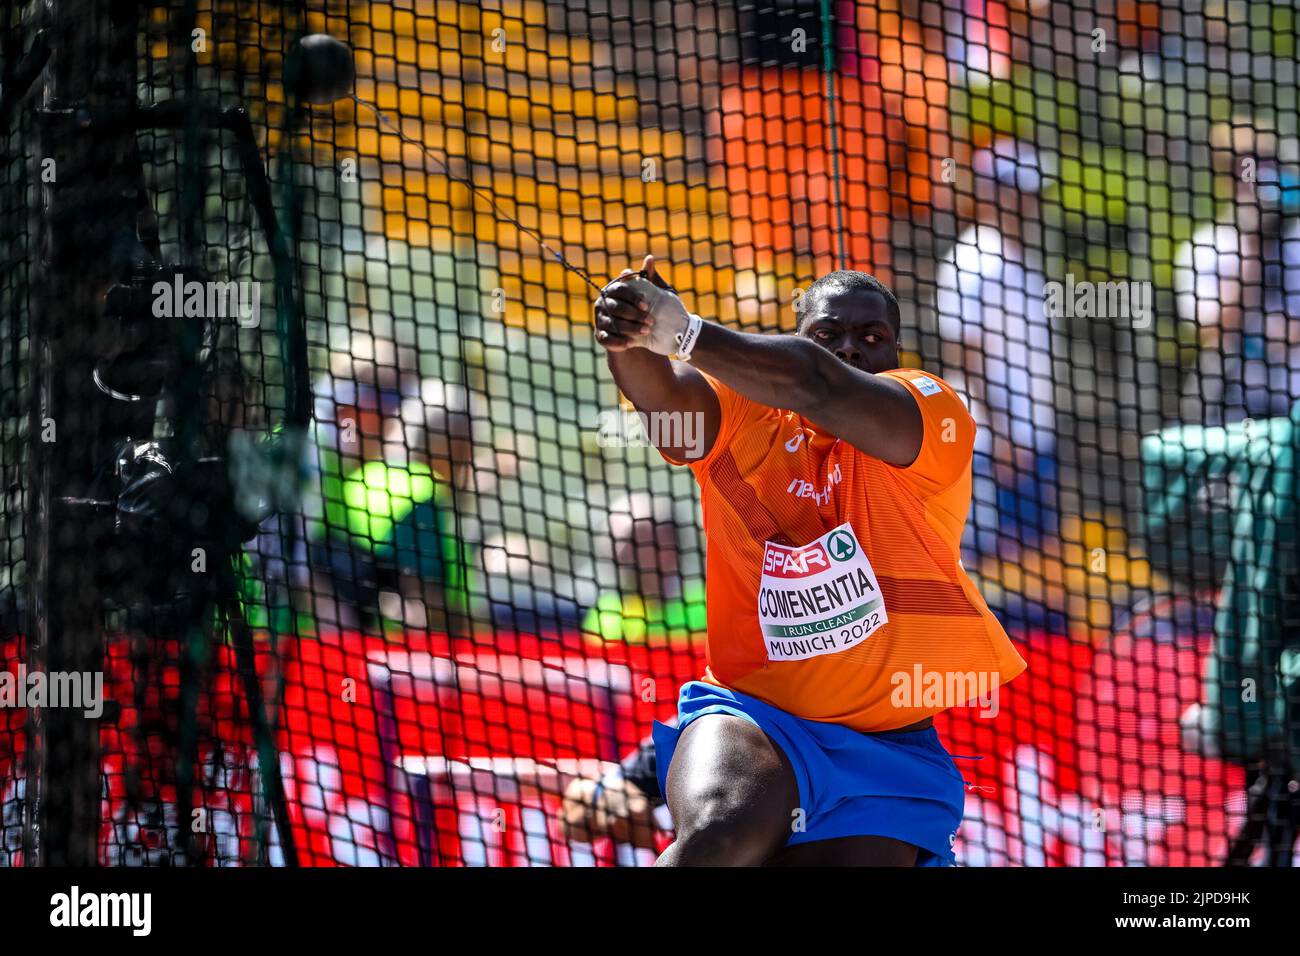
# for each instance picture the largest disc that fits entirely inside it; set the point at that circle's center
(848, 851)
(726, 772)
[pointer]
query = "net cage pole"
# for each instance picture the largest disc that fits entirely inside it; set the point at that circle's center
(84, 222)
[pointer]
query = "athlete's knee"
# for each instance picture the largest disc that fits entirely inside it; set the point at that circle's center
(719, 841)
(722, 825)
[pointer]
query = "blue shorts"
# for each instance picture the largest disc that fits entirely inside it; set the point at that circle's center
(904, 786)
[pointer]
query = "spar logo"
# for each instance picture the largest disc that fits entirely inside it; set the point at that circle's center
(813, 558)
(795, 562)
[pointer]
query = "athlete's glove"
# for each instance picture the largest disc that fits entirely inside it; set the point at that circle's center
(666, 316)
(640, 310)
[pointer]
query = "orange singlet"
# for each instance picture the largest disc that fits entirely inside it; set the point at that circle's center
(834, 582)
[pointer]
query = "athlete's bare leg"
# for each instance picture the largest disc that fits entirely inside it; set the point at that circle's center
(732, 794)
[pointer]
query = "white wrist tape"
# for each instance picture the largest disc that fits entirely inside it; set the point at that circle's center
(686, 340)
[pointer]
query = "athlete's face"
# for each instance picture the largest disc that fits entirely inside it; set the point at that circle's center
(856, 327)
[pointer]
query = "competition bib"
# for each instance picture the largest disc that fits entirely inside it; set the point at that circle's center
(822, 598)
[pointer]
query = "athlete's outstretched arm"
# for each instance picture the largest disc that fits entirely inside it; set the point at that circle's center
(874, 413)
(653, 383)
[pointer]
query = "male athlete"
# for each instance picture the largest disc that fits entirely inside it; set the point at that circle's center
(835, 487)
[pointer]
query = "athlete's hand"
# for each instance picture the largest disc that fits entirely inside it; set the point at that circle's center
(620, 316)
(640, 311)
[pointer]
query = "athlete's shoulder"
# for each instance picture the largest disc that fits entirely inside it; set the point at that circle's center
(924, 384)
(948, 436)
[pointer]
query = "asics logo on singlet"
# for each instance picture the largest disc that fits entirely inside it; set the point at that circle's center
(793, 444)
